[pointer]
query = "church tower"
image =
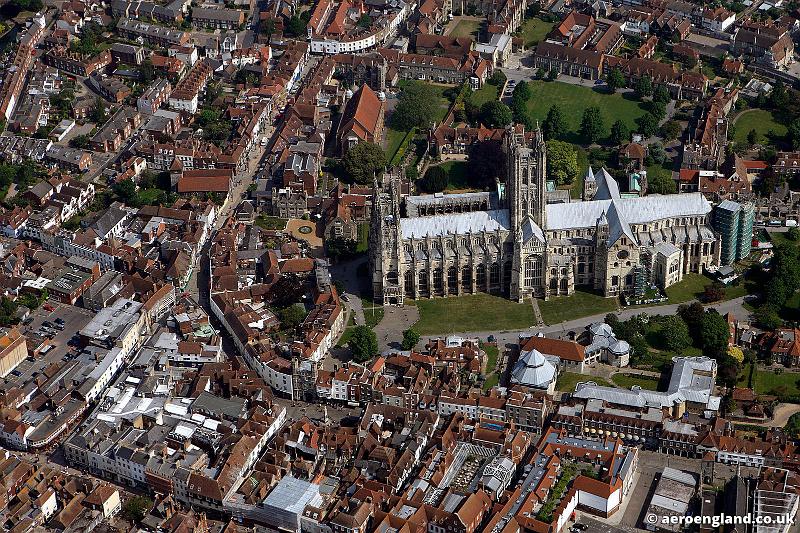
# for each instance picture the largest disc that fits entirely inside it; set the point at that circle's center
(526, 161)
(385, 243)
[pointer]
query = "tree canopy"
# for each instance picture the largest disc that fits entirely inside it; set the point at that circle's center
(615, 80)
(496, 114)
(416, 106)
(363, 343)
(363, 161)
(592, 125)
(562, 161)
(555, 124)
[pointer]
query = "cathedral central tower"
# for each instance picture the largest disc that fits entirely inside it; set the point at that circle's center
(526, 161)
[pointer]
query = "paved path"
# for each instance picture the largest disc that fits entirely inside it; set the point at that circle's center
(781, 415)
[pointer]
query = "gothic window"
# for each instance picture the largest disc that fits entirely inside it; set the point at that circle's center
(464, 242)
(525, 175)
(614, 281)
(553, 272)
(533, 271)
(494, 274)
(563, 271)
(507, 267)
(581, 268)
(438, 282)
(480, 276)
(423, 280)
(564, 285)
(420, 247)
(629, 279)
(553, 284)
(466, 278)
(391, 277)
(409, 282)
(408, 248)
(452, 280)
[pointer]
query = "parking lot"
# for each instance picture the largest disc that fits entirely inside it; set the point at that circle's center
(42, 329)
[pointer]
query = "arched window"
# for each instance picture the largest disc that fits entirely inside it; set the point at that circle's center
(466, 278)
(564, 285)
(480, 277)
(533, 271)
(408, 277)
(438, 281)
(423, 281)
(452, 280)
(553, 284)
(494, 274)
(391, 277)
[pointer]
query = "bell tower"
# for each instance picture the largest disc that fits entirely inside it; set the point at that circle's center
(526, 160)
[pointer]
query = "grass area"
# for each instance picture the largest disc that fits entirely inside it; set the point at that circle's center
(782, 384)
(346, 334)
(394, 139)
(457, 177)
(534, 30)
(574, 99)
(363, 238)
(627, 381)
(665, 170)
(492, 352)
(487, 93)
(567, 381)
(689, 288)
(762, 121)
(578, 305)
(474, 312)
(466, 28)
(491, 381)
(273, 223)
(373, 315)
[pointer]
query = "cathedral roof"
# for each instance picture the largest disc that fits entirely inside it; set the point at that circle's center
(634, 210)
(617, 225)
(531, 230)
(607, 187)
(455, 223)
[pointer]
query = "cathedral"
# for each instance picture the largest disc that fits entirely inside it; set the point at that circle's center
(511, 242)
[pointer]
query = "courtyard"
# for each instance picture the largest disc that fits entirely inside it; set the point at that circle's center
(762, 121)
(474, 312)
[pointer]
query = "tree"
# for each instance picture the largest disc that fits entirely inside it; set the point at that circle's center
(339, 247)
(495, 114)
(562, 161)
(365, 21)
(363, 161)
(619, 133)
(692, 314)
(555, 124)
(136, 508)
(647, 124)
(79, 141)
(713, 292)
(552, 75)
(292, 316)
(592, 125)
(99, 114)
(268, 28)
(657, 153)
(793, 234)
(295, 27)
(146, 72)
(486, 164)
(661, 94)
(752, 137)
(522, 91)
(126, 191)
(498, 78)
(660, 183)
(417, 104)
(657, 109)
(410, 338)
(714, 333)
(730, 404)
(670, 130)
(435, 179)
(734, 352)
(675, 334)
(615, 80)
(541, 73)
(643, 86)
(792, 427)
(363, 343)
(793, 134)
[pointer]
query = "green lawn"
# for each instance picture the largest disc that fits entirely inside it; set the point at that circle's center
(689, 288)
(491, 381)
(574, 99)
(567, 381)
(760, 120)
(466, 28)
(363, 238)
(492, 352)
(487, 93)
(627, 381)
(346, 334)
(474, 312)
(655, 170)
(535, 30)
(394, 139)
(457, 178)
(274, 223)
(578, 305)
(783, 384)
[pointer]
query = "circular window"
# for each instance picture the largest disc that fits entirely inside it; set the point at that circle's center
(305, 230)
(622, 254)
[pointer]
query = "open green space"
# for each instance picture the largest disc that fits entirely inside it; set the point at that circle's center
(627, 381)
(273, 223)
(781, 384)
(457, 177)
(762, 121)
(491, 381)
(487, 93)
(580, 304)
(692, 286)
(363, 238)
(393, 140)
(466, 28)
(534, 30)
(492, 353)
(567, 381)
(474, 312)
(574, 99)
